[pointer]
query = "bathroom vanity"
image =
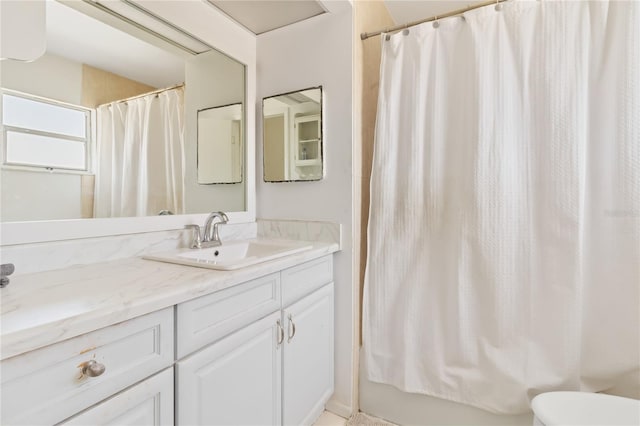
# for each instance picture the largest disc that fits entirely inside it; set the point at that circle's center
(136, 341)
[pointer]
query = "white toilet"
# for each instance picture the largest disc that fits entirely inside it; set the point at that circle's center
(584, 409)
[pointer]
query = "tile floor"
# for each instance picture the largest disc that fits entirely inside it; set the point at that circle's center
(330, 419)
(360, 419)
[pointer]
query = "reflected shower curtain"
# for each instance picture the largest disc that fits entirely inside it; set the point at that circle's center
(504, 233)
(140, 156)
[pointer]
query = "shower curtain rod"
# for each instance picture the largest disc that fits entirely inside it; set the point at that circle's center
(364, 36)
(142, 95)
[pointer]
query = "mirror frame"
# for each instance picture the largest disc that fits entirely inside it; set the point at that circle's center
(238, 46)
(322, 134)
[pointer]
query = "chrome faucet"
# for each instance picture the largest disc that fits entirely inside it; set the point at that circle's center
(209, 236)
(211, 229)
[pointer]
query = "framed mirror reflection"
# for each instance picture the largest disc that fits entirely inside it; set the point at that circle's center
(292, 136)
(105, 123)
(220, 145)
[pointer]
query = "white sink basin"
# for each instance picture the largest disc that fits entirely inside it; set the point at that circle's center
(232, 254)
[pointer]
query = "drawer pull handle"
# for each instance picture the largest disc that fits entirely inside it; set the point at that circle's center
(93, 368)
(292, 327)
(280, 333)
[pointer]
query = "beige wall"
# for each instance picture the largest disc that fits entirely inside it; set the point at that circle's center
(101, 87)
(274, 148)
(87, 192)
(369, 16)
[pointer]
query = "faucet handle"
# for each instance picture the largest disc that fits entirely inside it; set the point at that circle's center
(224, 219)
(197, 238)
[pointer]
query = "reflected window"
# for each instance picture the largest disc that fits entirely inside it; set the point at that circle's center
(43, 133)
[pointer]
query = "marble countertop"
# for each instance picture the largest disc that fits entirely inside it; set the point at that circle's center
(43, 308)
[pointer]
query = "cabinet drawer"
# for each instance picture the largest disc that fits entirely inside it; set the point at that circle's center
(46, 386)
(303, 279)
(148, 403)
(207, 319)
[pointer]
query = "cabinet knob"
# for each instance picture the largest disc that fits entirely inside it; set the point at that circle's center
(93, 368)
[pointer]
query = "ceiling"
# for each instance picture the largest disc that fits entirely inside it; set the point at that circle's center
(260, 16)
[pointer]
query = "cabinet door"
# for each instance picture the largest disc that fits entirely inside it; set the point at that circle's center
(308, 141)
(236, 381)
(308, 357)
(148, 403)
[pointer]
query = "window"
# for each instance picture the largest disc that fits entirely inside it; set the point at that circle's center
(44, 133)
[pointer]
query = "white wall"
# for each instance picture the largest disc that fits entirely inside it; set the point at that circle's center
(311, 53)
(49, 76)
(29, 195)
(219, 145)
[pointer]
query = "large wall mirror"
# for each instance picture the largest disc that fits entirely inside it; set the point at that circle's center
(292, 136)
(106, 124)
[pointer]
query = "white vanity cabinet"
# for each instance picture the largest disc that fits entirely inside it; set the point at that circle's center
(259, 352)
(271, 371)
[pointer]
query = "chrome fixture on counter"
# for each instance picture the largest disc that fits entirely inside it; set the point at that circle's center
(209, 237)
(6, 269)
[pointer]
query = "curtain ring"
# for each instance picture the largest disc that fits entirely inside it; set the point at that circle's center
(498, 6)
(436, 24)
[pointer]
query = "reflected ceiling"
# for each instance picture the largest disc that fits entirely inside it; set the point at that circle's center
(107, 48)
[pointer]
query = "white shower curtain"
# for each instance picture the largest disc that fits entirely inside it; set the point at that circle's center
(140, 156)
(504, 233)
